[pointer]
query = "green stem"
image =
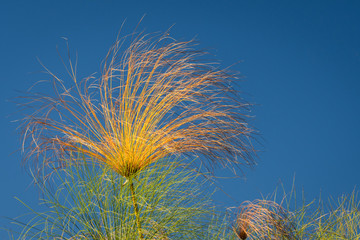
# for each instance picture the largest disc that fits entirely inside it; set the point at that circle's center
(136, 207)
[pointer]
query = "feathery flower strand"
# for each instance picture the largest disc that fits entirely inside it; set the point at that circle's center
(156, 99)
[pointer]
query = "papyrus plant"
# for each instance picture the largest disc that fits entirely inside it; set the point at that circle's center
(155, 99)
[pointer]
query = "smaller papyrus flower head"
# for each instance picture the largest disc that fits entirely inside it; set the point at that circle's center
(262, 219)
(155, 99)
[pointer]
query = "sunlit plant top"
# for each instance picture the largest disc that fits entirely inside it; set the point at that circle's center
(155, 99)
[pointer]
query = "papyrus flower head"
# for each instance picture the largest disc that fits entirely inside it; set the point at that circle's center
(263, 219)
(156, 98)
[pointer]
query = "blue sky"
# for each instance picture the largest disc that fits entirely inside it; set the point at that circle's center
(300, 59)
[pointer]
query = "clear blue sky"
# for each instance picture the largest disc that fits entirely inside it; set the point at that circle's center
(301, 60)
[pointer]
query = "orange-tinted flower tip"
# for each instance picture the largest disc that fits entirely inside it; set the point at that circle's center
(242, 234)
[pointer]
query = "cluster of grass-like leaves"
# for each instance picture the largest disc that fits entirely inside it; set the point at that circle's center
(333, 219)
(90, 202)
